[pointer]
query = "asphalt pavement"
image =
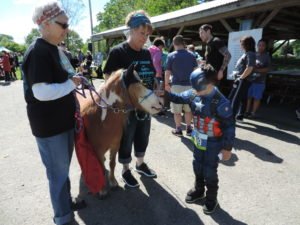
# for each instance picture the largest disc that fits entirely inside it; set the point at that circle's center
(259, 185)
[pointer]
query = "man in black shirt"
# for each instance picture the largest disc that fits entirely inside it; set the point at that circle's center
(216, 53)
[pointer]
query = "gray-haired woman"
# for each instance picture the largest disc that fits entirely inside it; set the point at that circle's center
(48, 86)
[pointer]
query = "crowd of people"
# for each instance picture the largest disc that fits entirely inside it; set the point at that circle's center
(9, 63)
(190, 82)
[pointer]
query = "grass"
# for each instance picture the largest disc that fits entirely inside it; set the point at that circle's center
(18, 73)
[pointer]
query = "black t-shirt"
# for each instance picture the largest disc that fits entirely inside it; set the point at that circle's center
(212, 54)
(122, 56)
(42, 65)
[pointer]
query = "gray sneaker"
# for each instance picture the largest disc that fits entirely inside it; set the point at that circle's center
(143, 169)
(129, 180)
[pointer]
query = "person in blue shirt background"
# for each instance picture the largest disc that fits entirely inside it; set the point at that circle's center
(212, 136)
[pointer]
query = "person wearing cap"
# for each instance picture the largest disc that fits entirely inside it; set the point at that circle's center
(216, 52)
(48, 90)
(137, 129)
(212, 136)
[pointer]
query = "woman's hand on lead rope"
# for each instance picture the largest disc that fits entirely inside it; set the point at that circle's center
(76, 80)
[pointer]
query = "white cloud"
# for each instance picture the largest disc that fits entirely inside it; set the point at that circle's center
(17, 27)
(25, 2)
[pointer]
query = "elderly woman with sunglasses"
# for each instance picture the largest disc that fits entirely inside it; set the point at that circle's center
(48, 88)
(137, 128)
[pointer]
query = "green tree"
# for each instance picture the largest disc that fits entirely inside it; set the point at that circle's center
(5, 38)
(116, 10)
(74, 41)
(34, 34)
(296, 47)
(74, 9)
(8, 42)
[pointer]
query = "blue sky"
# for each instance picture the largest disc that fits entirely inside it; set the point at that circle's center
(15, 18)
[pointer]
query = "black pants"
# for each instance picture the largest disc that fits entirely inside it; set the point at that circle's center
(7, 76)
(205, 165)
(238, 97)
(136, 132)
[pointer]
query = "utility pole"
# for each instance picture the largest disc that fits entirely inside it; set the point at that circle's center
(91, 16)
(90, 45)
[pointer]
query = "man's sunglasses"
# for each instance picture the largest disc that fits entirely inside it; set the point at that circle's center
(62, 25)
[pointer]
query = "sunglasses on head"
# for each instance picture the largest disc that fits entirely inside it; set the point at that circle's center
(62, 25)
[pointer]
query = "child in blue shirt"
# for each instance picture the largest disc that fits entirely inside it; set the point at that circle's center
(213, 134)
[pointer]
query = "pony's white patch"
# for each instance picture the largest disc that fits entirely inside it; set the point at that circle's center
(150, 102)
(113, 97)
(137, 76)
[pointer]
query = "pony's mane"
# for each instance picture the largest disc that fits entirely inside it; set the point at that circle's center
(111, 81)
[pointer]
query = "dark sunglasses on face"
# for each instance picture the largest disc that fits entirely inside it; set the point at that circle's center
(62, 25)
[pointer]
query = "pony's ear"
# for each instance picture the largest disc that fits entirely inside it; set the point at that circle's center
(130, 76)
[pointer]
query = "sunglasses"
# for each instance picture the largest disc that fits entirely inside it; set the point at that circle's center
(62, 25)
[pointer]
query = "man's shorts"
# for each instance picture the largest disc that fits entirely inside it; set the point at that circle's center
(177, 108)
(256, 91)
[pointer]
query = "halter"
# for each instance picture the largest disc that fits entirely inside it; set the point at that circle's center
(92, 90)
(146, 96)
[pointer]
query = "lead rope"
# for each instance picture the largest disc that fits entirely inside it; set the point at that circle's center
(92, 90)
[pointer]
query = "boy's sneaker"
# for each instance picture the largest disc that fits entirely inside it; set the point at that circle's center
(247, 114)
(252, 115)
(143, 169)
(77, 204)
(194, 195)
(298, 114)
(210, 207)
(189, 131)
(239, 118)
(129, 180)
(177, 132)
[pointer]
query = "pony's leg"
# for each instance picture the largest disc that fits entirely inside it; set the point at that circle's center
(104, 192)
(112, 164)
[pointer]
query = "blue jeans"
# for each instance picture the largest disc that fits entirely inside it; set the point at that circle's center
(56, 153)
(205, 165)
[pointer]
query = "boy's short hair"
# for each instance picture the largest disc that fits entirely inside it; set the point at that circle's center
(178, 40)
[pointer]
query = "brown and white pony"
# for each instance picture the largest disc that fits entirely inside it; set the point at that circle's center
(122, 92)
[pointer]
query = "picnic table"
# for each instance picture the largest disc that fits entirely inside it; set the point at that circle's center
(284, 84)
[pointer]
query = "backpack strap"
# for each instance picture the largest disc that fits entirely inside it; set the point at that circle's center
(214, 105)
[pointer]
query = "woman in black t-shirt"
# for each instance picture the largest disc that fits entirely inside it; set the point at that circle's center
(51, 105)
(137, 129)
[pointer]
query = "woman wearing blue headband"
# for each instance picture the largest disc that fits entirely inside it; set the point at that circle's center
(137, 128)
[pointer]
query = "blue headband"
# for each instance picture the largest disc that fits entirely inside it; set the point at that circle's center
(137, 20)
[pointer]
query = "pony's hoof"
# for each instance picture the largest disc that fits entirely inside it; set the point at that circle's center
(102, 194)
(113, 184)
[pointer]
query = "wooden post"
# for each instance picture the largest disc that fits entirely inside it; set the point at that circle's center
(226, 25)
(180, 30)
(269, 17)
